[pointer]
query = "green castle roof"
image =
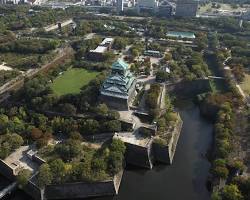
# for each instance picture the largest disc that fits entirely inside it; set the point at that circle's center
(120, 65)
(118, 84)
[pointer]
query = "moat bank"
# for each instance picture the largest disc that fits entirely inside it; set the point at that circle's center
(185, 179)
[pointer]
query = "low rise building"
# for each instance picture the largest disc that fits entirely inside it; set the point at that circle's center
(104, 46)
(181, 35)
(118, 89)
(156, 54)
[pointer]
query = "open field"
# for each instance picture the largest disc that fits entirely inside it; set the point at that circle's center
(245, 85)
(71, 81)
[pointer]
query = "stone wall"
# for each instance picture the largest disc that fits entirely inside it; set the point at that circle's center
(165, 153)
(38, 160)
(34, 191)
(139, 155)
(6, 170)
(84, 189)
(161, 153)
(190, 88)
(115, 103)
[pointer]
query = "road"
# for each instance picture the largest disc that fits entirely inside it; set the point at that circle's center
(55, 26)
(242, 93)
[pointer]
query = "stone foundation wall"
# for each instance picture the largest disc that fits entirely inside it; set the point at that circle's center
(175, 139)
(161, 153)
(191, 88)
(165, 153)
(6, 171)
(115, 103)
(84, 189)
(139, 156)
(35, 192)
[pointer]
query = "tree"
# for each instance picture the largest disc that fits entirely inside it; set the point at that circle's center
(45, 176)
(221, 172)
(75, 136)
(69, 149)
(102, 109)
(118, 145)
(36, 134)
(58, 170)
(135, 52)
(161, 76)
(216, 196)
(68, 109)
(219, 168)
(90, 126)
(116, 156)
(23, 177)
(120, 43)
(14, 140)
(112, 126)
(167, 57)
(231, 192)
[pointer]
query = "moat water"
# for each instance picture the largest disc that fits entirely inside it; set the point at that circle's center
(185, 179)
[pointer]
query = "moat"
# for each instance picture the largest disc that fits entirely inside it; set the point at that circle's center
(185, 179)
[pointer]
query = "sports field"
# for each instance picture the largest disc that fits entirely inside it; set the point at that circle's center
(72, 80)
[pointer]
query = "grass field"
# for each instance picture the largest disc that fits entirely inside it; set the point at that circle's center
(71, 81)
(245, 85)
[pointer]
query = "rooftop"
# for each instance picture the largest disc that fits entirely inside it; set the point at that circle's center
(133, 138)
(180, 34)
(152, 51)
(107, 41)
(120, 65)
(99, 49)
(20, 159)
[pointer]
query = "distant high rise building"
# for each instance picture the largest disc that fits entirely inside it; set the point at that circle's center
(186, 8)
(147, 5)
(120, 5)
(166, 9)
(246, 15)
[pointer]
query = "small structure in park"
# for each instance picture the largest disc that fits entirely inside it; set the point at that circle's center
(103, 47)
(118, 89)
(156, 54)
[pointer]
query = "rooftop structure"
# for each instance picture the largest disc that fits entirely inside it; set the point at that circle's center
(104, 46)
(107, 42)
(99, 49)
(21, 159)
(153, 53)
(187, 35)
(186, 8)
(119, 88)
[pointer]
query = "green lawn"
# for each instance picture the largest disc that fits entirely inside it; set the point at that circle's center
(72, 80)
(245, 85)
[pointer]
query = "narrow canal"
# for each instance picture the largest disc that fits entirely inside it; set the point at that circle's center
(185, 179)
